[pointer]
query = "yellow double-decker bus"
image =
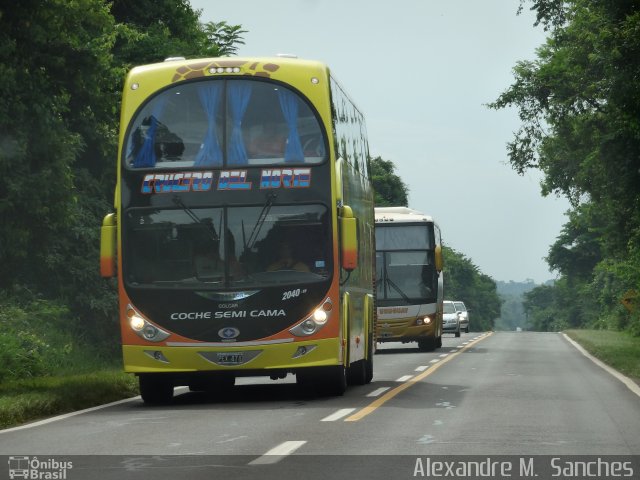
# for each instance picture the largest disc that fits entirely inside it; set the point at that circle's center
(243, 231)
(409, 277)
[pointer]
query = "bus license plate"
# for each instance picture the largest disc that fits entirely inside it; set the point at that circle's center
(231, 358)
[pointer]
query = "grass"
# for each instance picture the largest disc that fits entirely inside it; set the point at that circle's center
(23, 401)
(619, 350)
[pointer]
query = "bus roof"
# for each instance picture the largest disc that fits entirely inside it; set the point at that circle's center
(400, 215)
(180, 68)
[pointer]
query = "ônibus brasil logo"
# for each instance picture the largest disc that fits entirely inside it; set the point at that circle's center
(38, 469)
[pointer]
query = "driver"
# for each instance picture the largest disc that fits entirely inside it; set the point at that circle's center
(286, 260)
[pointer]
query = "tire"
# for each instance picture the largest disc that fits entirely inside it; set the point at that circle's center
(357, 373)
(368, 363)
(334, 381)
(155, 390)
(457, 333)
(325, 381)
(466, 330)
(439, 342)
(427, 344)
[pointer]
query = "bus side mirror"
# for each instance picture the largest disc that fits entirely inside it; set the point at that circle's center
(108, 246)
(439, 262)
(348, 239)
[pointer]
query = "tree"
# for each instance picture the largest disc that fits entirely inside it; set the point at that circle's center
(390, 190)
(579, 104)
(62, 66)
(463, 281)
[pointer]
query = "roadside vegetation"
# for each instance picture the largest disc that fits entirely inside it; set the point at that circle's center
(620, 350)
(62, 68)
(579, 106)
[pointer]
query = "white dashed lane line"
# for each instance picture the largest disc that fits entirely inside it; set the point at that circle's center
(338, 415)
(421, 368)
(404, 378)
(278, 453)
(378, 392)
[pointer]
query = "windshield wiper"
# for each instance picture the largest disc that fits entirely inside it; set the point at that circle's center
(209, 227)
(248, 245)
(397, 289)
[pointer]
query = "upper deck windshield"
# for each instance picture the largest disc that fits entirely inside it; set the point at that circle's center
(234, 247)
(405, 264)
(219, 123)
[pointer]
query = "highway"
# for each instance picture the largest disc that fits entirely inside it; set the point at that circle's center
(519, 393)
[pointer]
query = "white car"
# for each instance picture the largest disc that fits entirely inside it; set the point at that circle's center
(464, 315)
(450, 318)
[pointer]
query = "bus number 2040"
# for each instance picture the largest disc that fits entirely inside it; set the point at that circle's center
(292, 293)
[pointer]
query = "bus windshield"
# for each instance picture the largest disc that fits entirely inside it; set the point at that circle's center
(405, 264)
(233, 247)
(219, 123)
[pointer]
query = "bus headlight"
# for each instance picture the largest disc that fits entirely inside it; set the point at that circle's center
(315, 321)
(143, 328)
(320, 316)
(137, 323)
(424, 320)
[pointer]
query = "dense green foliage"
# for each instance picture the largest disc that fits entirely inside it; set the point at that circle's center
(512, 314)
(464, 281)
(579, 103)
(390, 190)
(62, 66)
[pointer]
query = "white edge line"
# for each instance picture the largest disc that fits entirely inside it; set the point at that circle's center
(338, 415)
(278, 453)
(631, 385)
(70, 414)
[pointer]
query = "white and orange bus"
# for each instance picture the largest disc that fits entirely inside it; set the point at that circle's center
(243, 231)
(409, 277)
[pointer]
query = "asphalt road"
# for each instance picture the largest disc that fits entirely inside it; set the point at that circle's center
(494, 394)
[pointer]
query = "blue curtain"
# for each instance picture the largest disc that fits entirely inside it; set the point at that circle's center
(146, 156)
(289, 105)
(210, 153)
(239, 94)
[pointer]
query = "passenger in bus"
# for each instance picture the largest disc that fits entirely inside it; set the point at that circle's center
(269, 143)
(286, 260)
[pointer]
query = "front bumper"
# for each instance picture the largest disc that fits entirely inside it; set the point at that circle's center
(240, 359)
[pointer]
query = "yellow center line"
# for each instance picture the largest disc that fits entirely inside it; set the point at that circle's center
(373, 406)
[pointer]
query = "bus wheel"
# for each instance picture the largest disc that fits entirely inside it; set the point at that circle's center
(357, 373)
(155, 390)
(427, 344)
(323, 381)
(368, 363)
(335, 380)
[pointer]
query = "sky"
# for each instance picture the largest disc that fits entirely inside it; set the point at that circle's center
(422, 73)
